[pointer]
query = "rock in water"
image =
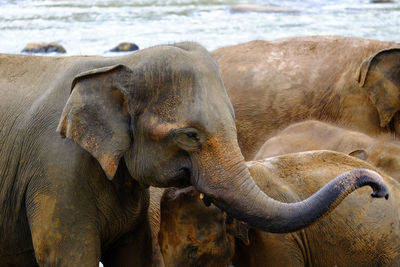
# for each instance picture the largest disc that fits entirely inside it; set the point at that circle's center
(125, 47)
(43, 48)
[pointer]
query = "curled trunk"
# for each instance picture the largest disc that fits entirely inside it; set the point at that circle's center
(241, 198)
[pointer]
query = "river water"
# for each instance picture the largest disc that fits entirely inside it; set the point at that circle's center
(91, 27)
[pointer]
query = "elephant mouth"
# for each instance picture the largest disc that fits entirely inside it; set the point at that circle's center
(182, 178)
(194, 178)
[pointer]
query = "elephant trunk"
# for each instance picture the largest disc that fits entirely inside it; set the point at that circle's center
(241, 198)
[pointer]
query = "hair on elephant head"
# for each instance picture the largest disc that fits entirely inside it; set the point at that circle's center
(380, 76)
(166, 113)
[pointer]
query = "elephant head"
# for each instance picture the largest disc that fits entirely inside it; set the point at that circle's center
(166, 114)
(192, 234)
(383, 154)
(379, 76)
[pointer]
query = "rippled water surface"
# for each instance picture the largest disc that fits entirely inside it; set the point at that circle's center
(95, 26)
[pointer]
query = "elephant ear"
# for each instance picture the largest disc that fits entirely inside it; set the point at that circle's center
(359, 153)
(379, 75)
(96, 115)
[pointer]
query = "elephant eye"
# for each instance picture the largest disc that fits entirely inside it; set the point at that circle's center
(193, 135)
(188, 138)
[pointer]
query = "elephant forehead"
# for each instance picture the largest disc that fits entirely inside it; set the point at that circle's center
(166, 63)
(194, 111)
(191, 91)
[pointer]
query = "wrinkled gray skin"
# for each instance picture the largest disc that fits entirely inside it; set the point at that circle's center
(158, 117)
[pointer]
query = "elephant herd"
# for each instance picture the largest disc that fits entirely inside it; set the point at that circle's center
(255, 154)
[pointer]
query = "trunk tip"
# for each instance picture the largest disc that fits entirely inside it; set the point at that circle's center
(381, 193)
(375, 180)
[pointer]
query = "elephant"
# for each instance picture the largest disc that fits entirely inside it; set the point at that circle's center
(358, 232)
(82, 138)
(382, 152)
(350, 82)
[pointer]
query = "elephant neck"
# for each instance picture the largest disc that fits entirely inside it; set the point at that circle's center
(121, 204)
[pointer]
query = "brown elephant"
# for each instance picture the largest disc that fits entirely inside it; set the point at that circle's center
(350, 82)
(158, 117)
(359, 232)
(382, 152)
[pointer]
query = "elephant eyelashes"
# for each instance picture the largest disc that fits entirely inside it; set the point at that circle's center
(193, 136)
(188, 138)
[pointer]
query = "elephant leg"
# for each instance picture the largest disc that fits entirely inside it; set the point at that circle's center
(64, 232)
(132, 249)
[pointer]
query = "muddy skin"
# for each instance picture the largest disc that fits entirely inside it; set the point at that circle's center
(362, 230)
(382, 152)
(350, 82)
(81, 139)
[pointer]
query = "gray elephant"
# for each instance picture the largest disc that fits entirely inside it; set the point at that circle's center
(157, 117)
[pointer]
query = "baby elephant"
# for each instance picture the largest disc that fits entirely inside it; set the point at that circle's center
(382, 152)
(361, 231)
